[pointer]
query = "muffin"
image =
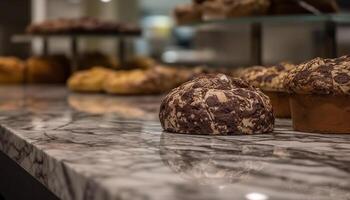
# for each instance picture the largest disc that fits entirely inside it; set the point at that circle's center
(215, 104)
(270, 81)
(47, 69)
(89, 80)
(320, 100)
(187, 14)
(11, 70)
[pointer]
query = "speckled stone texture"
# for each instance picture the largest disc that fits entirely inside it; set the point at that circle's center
(320, 76)
(216, 105)
(82, 155)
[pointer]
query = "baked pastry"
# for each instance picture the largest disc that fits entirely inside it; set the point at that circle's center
(219, 9)
(47, 69)
(213, 10)
(305, 6)
(11, 70)
(140, 62)
(187, 14)
(216, 105)
(239, 8)
(89, 80)
(320, 95)
(152, 81)
(81, 25)
(270, 81)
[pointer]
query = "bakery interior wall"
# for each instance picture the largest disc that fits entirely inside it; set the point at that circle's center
(296, 42)
(14, 17)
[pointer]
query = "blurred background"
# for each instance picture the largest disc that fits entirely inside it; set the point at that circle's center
(218, 45)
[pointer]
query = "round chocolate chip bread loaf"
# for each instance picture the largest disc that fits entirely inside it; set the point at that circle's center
(320, 76)
(216, 105)
(320, 95)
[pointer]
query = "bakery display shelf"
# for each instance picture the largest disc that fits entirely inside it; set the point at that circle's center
(329, 21)
(336, 18)
(74, 41)
(23, 37)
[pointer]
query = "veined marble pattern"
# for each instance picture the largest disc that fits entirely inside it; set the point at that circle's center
(85, 146)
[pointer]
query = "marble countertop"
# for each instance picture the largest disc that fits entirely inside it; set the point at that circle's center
(84, 146)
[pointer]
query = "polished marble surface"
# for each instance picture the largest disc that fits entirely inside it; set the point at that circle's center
(85, 146)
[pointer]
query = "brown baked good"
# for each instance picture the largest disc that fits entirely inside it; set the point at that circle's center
(239, 8)
(296, 7)
(47, 69)
(140, 62)
(88, 60)
(213, 10)
(270, 81)
(198, 2)
(219, 9)
(152, 81)
(81, 25)
(187, 14)
(89, 80)
(216, 105)
(320, 95)
(11, 70)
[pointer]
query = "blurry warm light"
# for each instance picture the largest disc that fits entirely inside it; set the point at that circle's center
(256, 196)
(105, 1)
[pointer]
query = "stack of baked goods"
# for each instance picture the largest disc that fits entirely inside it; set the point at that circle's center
(219, 9)
(80, 25)
(318, 92)
(270, 81)
(152, 80)
(203, 10)
(36, 69)
(55, 69)
(320, 95)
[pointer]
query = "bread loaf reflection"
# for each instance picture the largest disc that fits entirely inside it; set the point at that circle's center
(209, 163)
(138, 108)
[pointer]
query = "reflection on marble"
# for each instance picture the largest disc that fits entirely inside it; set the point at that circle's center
(83, 146)
(129, 107)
